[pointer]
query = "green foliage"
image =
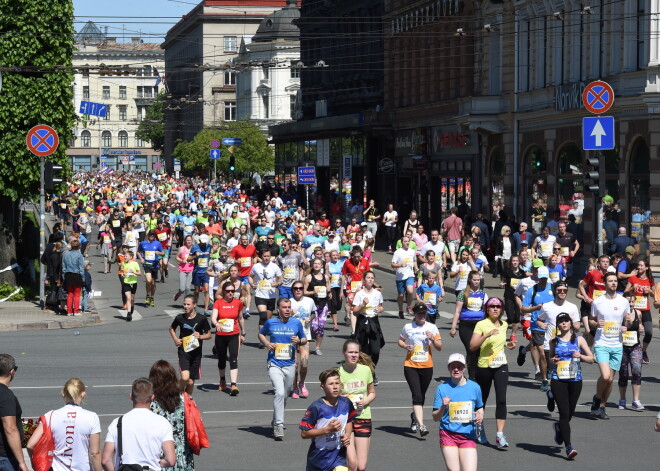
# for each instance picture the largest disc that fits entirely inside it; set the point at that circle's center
(152, 128)
(24, 293)
(34, 34)
(253, 156)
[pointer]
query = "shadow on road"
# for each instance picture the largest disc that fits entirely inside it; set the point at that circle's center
(258, 430)
(400, 431)
(532, 414)
(526, 384)
(540, 449)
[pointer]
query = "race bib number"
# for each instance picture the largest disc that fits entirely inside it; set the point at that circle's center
(226, 325)
(463, 274)
(188, 228)
(321, 292)
(313, 247)
(162, 236)
(641, 302)
(370, 310)
(290, 272)
(408, 262)
(150, 255)
(497, 359)
(63, 205)
(474, 304)
(203, 262)
(355, 398)
(116, 223)
(344, 253)
(597, 293)
(130, 238)
(514, 282)
(567, 369)
(355, 285)
(611, 329)
(283, 351)
(564, 252)
(460, 412)
(630, 338)
(190, 343)
(246, 262)
(430, 299)
(264, 285)
(419, 354)
(106, 239)
(334, 279)
(546, 248)
(554, 276)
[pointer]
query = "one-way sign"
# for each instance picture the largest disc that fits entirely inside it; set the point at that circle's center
(215, 153)
(598, 133)
(93, 109)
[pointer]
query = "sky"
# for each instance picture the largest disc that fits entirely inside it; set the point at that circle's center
(127, 18)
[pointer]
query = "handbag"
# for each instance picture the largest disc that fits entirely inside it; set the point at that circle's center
(195, 431)
(51, 297)
(62, 294)
(125, 467)
(42, 455)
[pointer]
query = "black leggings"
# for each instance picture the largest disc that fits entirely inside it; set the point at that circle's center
(334, 303)
(224, 343)
(465, 331)
(566, 394)
(418, 380)
(391, 235)
(500, 377)
(647, 321)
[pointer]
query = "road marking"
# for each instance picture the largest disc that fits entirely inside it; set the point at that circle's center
(173, 266)
(172, 312)
(443, 314)
(136, 315)
(97, 293)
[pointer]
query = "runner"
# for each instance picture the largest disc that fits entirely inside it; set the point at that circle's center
(489, 338)
(367, 303)
(589, 289)
(148, 253)
(353, 270)
(631, 362)
(193, 330)
(186, 267)
(405, 263)
(333, 268)
(130, 271)
(218, 267)
(356, 374)
(567, 350)
(291, 263)
(244, 254)
(512, 275)
(302, 308)
(265, 277)
(417, 338)
(317, 285)
(461, 269)
(106, 238)
(641, 285)
(164, 236)
(459, 409)
(281, 336)
(229, 334)
(430, 294)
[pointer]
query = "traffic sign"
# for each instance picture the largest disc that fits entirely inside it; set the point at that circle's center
(214, 153)
(598, 97)
(231, 149)
(93, 109)
(215, 144)
(598, 133)
(306, 175)
(42, 140)
(232, 141)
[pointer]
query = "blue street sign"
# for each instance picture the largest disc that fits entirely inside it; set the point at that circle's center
(306, 175)
(598, 133)
(232, 141)
(214, 153)
(93, 109)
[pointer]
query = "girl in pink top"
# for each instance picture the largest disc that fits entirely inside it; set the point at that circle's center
(185, 267)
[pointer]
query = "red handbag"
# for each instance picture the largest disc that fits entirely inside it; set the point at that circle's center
(42, 456)
(195, 431)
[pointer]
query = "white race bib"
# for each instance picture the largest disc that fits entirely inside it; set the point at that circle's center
(497, 359)
(188, 228)
(460, 412)
(149, 255)
(116, 223)
(419, 354)
(564, 252)
(567, 369)
(630, 338)
(162, 236)
(106, 239)
(264, 285)
(335, 279)
(430, 299)
(226, 325)
(597, 293)
(611, 329)
(641, 302)
(290, 272)
(321, 292)
(190, 343)
(203, 262)
(246, 262)
(283, 351)
(355, 285)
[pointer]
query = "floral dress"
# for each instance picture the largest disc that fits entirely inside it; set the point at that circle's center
(184, 456)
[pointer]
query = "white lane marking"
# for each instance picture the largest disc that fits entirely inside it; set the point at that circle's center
(172, 312)
(97, 293)
(443, 314)
(136, 315)
(173, 266)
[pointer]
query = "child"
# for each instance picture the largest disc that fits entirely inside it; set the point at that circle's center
(329, 423)
(430, 293)
(87, 287)
(106, 238)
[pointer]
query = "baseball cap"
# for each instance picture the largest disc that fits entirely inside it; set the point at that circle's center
(331, 234)
(537, 263)
(494, 302)
(456, 357)
(363, 224)
(524, 242)
(630, 249)
(561, 316)
(543, 272)
(204, 238)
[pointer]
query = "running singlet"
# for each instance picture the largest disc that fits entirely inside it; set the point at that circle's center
(228, 313)
(568, 368)
(473, 305)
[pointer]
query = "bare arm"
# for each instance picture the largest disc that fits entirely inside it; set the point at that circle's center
(14, 440)
(108, 459)
(95, 452)
(169, 456)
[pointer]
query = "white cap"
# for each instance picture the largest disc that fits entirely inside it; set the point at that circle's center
(611, 269)
(456, 357)
(543, 272)
(204, 239)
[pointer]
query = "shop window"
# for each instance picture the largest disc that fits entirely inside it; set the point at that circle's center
(570, 166)
(496, 172)
(638, 187)
(536, 189)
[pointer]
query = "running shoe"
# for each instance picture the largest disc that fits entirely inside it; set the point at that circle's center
(278, 432)
(545, 386)
(501, 441)
(551, 401)
(513, 338)
(152, 303)
(147, 302)
(413, 422)
(376, 380)
(571, 453)
(214, 350)
(223, 385)
(318, 352)
(595, 405)
(423, 431)
(645, 358)
(303, 390)
(167, 273)
(246, 314)
(129, 317)
(295, 394)
(538, 376)
(622, 404)
(481, 435)
(400, 314)
(234, 391)
(557, 430)
(601, 414)
(637, 406)
(521, 356)
(336, 328)
(177, 296)
(409, 313)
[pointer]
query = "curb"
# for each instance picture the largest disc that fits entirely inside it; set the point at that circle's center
(69, 323)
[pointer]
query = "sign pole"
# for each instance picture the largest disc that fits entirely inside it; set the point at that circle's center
(42, 236)
(307, 199)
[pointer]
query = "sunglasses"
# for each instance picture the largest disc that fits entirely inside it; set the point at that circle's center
(15, 368)
(561, 290)
(297, 287)
(230, 291)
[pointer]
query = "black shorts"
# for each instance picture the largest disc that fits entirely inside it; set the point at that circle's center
(269, 303)
(153, 271)
(190, 363)
(125, 288)
(512, 311)
(362, 428)
(538, 338)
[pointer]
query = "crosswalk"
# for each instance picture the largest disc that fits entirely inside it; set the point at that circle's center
(136, 315)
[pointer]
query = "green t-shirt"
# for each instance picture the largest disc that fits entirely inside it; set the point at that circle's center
(345, 250)
(413, 245)
(354, 384)
(151, 223)
(490, 354)
(133, 267)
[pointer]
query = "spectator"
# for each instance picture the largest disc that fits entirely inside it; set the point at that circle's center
(609, 226)
(484, 236)
(503, 251)
(391, 219)
(371, 216)
(87, 288)
(553, 223)
(419, 237)
(73, 271)
(576, 211)
(622, 241)
(11, 454)
(522, 235)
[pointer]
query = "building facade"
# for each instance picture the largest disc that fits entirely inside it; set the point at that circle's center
(111, 141)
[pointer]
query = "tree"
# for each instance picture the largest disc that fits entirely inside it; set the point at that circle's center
(152, 127)
(254, 155)
(38, 35)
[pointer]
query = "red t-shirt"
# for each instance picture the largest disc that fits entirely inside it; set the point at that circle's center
(641, 299)
(227, 319)
(595, 283)
(324, 223)
(163, 239)
(243, 257)
(355, 272)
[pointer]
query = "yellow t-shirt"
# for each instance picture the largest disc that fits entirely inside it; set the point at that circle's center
(491, 354)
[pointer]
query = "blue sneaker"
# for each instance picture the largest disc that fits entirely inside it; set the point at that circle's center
(545, 385)
(501, 441)
(570, 453)
(481, 435)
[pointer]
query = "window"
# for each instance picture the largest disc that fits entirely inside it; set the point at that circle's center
(295, 70)
(106, 139)
(122, 92)
(122, 112)
(266, 99)
(292, 106)
(230, 111)
(569, 177)
(138, 142)
(141, 112)
(230, 77)
(145, 92)
(123, 139)
(86, 139)
(85, 92)
(106, 92)
(107, 113)
(230, 44)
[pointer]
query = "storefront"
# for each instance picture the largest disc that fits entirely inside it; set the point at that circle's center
(125, 160)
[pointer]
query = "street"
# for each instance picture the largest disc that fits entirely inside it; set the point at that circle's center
(110, 356)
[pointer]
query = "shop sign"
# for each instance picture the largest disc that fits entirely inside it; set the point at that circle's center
(408, 142)
(386, 165)
(420, 164)
(569, 97)
(348, 166)
(452, 140)
(122, 152)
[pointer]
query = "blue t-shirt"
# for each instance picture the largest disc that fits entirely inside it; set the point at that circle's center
(469, 392)
(325, 452)
(542, 297)
(202, 261)
(312, 239)
(188, 224)
(335, 269)
(148, 249)
(557, 273)
(262, 232)
(432, 308)
(570, 369)
(280, 333)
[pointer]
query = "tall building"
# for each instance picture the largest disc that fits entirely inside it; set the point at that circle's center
(126, 95)
(200, 77)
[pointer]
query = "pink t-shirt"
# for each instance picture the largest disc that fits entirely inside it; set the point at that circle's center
(185, 267)
(453, 225)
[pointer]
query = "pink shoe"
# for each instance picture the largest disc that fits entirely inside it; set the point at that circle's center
(295, 394)
(303, 390)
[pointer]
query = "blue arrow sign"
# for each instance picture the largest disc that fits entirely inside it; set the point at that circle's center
(93, 109)
(214, 153)
(232, 141)
(598, 133)
(306, 175)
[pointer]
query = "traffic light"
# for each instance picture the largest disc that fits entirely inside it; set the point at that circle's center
(232, 163)
(52, 175)
(594, 169)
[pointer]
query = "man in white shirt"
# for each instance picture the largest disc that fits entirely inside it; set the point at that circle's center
(438, 247)
(264, 279)
(145, 436)
(549, 311)
(391, 219)
(405, 263)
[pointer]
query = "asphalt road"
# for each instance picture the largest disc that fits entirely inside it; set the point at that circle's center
(108, 357)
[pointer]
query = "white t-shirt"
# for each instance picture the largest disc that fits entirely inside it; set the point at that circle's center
(72, 426)
(143, 434)
(330, 246)
(463, 270)
(264, 276)
(390, 217)
(415, 335)
(612, 311)
(544, 246)
(375, 299)
(439, 249)
(231, 243)
(407, 257)
(303, 311)
(549, 312)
